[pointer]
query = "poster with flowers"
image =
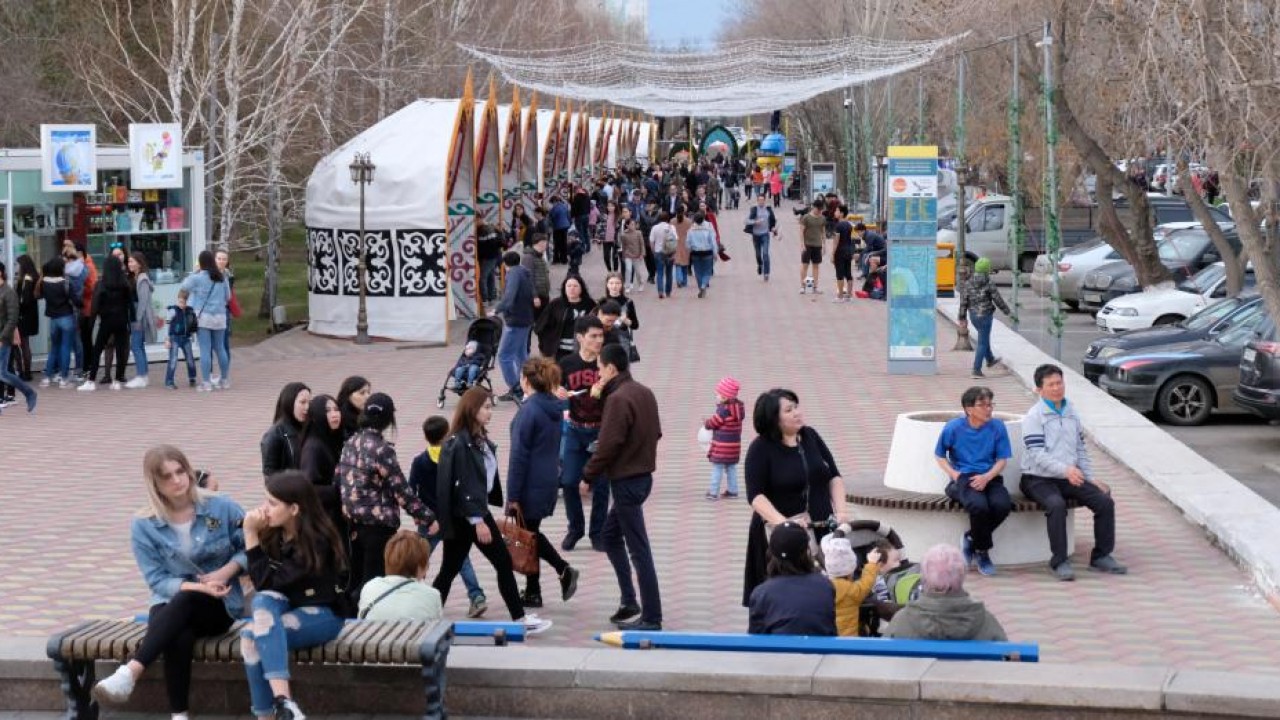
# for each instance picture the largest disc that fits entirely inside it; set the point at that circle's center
(68, 158)
(155, 156)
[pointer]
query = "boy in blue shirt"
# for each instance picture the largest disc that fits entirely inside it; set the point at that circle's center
(182, 326)
(973, 451)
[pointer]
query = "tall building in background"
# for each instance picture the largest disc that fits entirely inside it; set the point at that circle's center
(629, 18)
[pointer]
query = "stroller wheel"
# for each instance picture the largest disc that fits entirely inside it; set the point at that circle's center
(440, 402)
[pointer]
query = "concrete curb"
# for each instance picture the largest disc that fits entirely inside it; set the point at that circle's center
(1240, 521)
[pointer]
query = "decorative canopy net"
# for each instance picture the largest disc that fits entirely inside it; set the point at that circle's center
(733, 78)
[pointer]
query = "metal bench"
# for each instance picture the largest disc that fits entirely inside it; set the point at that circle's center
(361, 643)
(811, 645)
(874, 494)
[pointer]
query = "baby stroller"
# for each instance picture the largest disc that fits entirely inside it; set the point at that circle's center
(485, 332)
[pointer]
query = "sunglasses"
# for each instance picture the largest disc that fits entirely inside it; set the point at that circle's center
(117, 245)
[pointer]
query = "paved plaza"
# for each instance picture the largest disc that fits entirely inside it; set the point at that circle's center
(71, 479)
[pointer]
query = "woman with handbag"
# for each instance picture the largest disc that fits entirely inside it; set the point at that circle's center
(533, 476)
(466, 485)
(210, 294)
(791, 475)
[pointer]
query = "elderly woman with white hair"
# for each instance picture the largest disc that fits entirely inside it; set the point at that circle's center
(944, 611)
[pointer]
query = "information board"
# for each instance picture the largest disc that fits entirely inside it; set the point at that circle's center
(912, 210)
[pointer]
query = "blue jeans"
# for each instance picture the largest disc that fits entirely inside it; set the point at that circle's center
(9, 378)
(703, 266)
(682, 275)
(275, 629)
(513, 350)
(583, 225)
(182, 344)
(226, 338)
(625, 537)
(466, 374)
(665, 263)
(761, 244)
(137, 343)
(573, 458)
(730, 474)
(468, 573)
(489, 279)
(982, 351)
(213, 341)
(64, 332)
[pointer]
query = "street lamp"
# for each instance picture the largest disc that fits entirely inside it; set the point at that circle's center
(362, 174)
(962, 328)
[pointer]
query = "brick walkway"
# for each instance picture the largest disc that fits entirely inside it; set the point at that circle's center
(70, 482)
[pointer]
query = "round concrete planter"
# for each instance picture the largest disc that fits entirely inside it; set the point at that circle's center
(912, 465)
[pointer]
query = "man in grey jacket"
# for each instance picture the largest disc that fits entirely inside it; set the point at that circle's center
(1056, 467)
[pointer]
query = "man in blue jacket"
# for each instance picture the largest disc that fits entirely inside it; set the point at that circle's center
(516, 309)
(1056, 467)
(560, 223)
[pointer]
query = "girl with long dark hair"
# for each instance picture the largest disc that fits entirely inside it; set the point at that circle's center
(352, 395)
(24, 281)
(142, 329)
(321, 447)
(210, 294)
(295, 556)
(281, 445)
(112, 306)
(554, 327)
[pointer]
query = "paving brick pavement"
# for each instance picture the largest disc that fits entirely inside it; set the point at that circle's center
(71, 476)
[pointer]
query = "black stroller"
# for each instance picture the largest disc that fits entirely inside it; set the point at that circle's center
(485, 332)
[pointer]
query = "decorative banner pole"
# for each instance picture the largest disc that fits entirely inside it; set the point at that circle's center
(1018, 238)
(962, 203)
(1053, 241)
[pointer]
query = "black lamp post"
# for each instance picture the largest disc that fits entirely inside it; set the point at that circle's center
(362, 174)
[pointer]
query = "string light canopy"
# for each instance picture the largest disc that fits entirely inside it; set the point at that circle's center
(733, 78)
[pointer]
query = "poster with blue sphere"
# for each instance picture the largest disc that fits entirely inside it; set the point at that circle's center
(69, 161)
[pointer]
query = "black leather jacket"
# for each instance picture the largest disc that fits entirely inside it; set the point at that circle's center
(461, 486)
(281, 448)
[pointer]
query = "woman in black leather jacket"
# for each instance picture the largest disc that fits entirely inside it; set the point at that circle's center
(467, 484)
(282, 444)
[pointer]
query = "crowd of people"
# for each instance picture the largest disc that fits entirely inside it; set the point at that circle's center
(98, 319)
(326, 542)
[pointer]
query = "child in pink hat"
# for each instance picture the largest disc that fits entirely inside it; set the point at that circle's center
(726, 438)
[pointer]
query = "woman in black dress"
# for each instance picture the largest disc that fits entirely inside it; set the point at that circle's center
(790, 471)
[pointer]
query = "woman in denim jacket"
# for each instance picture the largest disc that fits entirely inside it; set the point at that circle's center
(190, 548)
(210, 294)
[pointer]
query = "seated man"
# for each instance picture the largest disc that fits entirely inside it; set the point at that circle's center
(1056, 467)
(973, 451)
(944, 611)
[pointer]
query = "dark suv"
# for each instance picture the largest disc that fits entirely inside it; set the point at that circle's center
(1259, 387)
(1184, 252)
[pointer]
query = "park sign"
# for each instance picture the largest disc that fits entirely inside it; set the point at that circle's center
(912, 213)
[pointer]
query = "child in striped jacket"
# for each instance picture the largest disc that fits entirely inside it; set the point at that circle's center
(726, 439)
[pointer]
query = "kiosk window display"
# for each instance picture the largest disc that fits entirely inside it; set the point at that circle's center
(167, 226)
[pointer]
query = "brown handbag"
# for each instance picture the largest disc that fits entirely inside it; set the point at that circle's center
(521, 544)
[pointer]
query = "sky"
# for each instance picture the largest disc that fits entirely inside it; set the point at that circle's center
(671, 21)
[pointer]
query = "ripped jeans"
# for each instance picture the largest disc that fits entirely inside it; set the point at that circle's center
(275, 629)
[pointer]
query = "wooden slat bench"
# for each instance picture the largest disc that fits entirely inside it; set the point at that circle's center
(361, 643)
(874, 494)
(811, 645)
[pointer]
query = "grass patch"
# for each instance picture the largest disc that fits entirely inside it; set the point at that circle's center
(291, 288)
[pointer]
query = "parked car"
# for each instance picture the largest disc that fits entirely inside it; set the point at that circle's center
(1184, 383)
(1184, 252)
(1167, 305)
(1073, 265)
(1258, 389)
(1206, 324)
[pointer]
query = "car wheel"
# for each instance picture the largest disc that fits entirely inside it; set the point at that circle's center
(1074, 305)
(1185, 400)
(1027, 264)
(1168, 319)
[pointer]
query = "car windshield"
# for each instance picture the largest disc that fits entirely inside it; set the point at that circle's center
(1183, 246)
(1212, 314)
(1241, 331)
(1205, 280)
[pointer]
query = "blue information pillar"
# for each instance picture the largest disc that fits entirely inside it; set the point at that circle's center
(913, 271)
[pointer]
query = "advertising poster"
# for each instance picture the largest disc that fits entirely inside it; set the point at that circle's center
(822, 178)
(155, 156)
(68, 158)
(913, 282)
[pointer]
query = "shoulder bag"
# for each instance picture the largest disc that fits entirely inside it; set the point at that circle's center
(802, 517)
(365, 612)
(521, 543)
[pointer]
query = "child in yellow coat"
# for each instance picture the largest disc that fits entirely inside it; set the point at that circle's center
(841, 564)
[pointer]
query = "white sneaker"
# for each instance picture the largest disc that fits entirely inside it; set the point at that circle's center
(117, 385)
(205, 387)
(116, 688)
(44, 382)
(225, 384)
(62, 383)
(534, 625)
(88, 386)
(140, 381)
(627, 289)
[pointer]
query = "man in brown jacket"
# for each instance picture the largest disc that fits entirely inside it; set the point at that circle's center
(626, 453)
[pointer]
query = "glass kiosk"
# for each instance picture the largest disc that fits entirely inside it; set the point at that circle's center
(167, 226)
